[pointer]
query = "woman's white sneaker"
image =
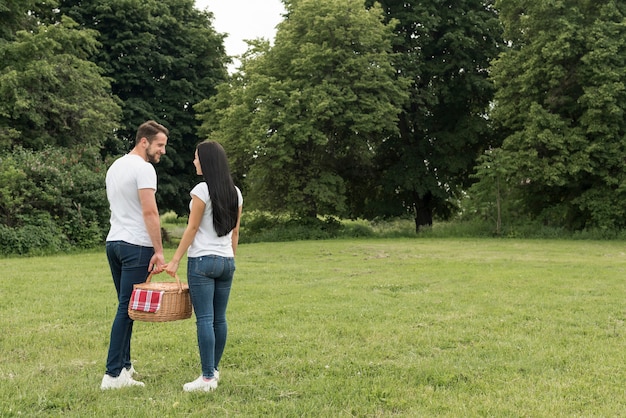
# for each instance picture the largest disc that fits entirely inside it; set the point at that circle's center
(200, 384)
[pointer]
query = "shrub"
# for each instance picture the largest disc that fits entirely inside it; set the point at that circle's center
(9, 240)
(173, 219)
(357, 229)
(40, 237)
(54, 198)
(259, 226)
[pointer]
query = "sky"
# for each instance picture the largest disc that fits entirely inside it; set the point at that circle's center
(243, 19)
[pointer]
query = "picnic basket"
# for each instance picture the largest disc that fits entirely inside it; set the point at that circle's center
(175, 302)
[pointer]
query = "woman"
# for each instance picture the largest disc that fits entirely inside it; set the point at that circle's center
(211, 239)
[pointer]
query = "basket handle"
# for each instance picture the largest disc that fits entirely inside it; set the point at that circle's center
(180, 286)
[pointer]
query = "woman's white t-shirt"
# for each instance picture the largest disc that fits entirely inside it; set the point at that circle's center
(206, 241)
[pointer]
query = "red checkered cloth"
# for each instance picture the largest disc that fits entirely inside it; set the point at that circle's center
(146, 300)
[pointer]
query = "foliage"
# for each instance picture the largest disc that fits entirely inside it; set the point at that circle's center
(58, 111)
(40, 236)
(50, 93)
(51, 200)
(368, 112)
(55, 113)
(16, 15)
(304, 117)
(163, 57)
(445, 48)
(259, 226)
(344, 328)
(493, 196)
(561, 99)
(173, 218)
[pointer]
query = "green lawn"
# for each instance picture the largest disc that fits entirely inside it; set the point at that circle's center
(340, 328)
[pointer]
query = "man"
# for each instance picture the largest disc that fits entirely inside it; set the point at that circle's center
(133, 245)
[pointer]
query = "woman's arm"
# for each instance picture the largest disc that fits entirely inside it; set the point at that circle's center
(195, 217)
(235, 236)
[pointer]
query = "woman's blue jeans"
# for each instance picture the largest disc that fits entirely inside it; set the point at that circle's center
(210, 279)
(129, 266)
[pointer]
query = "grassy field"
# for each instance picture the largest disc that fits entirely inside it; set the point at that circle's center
(341, 328)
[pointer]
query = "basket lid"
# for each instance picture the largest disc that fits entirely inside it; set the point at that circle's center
(161, 286)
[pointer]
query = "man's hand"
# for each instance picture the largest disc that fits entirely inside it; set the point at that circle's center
(157, 263)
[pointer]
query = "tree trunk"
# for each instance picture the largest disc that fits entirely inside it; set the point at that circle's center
(423, 211)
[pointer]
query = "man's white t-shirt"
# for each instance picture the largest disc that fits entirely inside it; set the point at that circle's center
(126, 176)
(206, 241)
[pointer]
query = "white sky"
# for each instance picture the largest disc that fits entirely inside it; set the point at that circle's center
(244, 19)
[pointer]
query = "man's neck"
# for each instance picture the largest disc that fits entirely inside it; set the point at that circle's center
(138, 152)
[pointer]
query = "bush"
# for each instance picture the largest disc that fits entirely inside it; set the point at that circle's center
(255, 222)
(358, 229)
(173, 219)
(259, 226)
(41, 237)
(84, 234)
(9, 240)
(52, 199)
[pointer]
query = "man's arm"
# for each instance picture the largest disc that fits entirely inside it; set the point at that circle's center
(153, 225)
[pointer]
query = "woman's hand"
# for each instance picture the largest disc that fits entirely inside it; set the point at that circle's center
(171, 268)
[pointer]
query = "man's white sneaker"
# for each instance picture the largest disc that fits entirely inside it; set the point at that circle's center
(200, 384)
(216, 374)
(123, 380)
(131, 371)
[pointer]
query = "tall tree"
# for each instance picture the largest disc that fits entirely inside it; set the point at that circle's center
(14, 17)
(561, 99)
(50, 93)
(315, 106)
(56, 110)
(163, 56)
(445, 48)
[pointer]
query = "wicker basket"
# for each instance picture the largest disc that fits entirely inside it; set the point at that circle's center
(175, 302)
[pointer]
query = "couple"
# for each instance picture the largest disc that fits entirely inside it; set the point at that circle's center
(134, 248)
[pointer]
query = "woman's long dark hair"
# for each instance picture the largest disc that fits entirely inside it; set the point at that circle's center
(216, 173)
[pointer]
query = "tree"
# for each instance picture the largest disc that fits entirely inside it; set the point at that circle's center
(14, 17)
(445, 48)
(491, 197)
(561, 101)
(50, 93)
(312, 109)
(56, 110)
(163, 57)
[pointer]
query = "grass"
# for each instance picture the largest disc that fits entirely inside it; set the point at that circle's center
(339, 328)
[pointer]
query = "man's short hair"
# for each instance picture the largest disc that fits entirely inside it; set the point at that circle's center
(149, 130)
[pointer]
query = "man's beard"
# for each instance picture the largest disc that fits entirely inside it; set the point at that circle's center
(154, 158)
